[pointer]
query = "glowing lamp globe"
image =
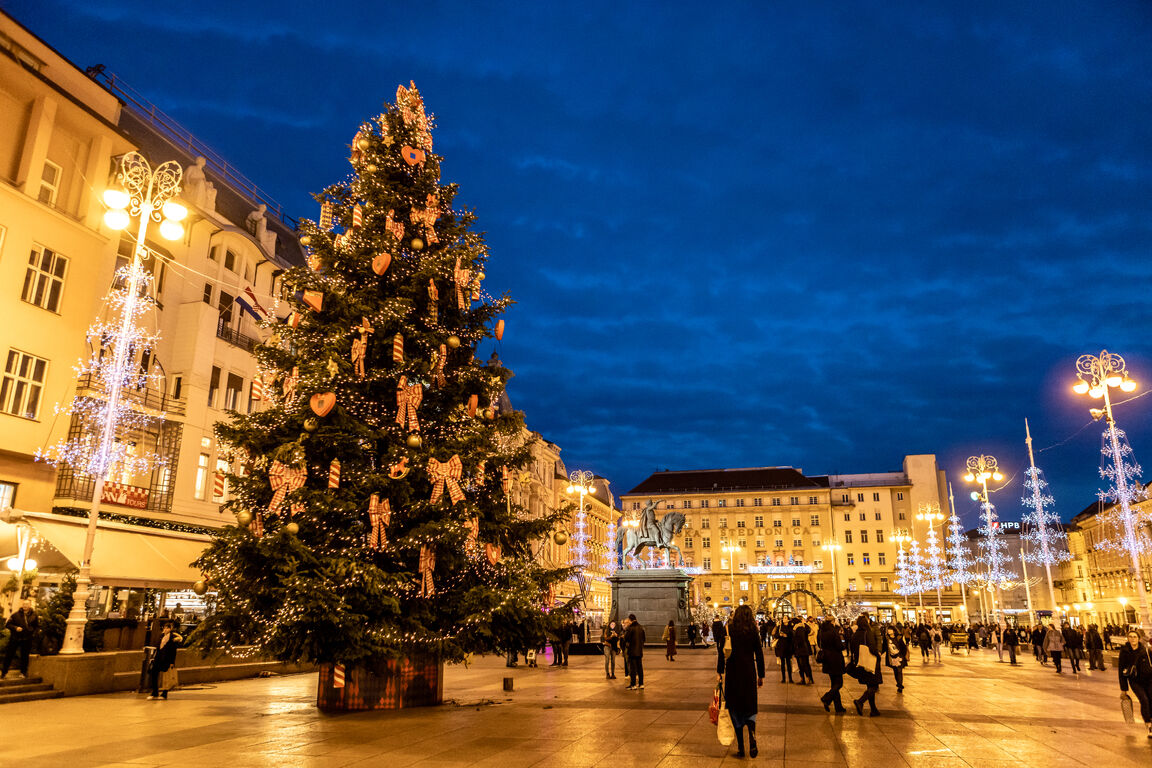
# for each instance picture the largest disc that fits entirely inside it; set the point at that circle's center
(14, 564)
(116, 218)
(1096, 392)
(971, 478)
(975, 496)
(591, 489)
(1080, 387)
(173, 211)
(571, 489)
(997, 476)
(1114, 380)
(116, 198)
(1127, 385)
(171, 230)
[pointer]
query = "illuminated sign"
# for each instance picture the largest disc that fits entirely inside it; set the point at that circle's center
(780, 570)
(1006, 525)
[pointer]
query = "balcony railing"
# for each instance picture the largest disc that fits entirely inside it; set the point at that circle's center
(234, 337)
(147, 398)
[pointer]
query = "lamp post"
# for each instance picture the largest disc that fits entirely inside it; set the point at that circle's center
(832, 547)
(980, 469)
(580, 482)
(1028, 589)
(147, 195)
(731, 549)
(899, 536)
(931, 514)
(1098, 374)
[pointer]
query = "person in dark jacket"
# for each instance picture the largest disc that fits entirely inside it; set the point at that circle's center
(869, 673)
(718, 634)
(564, 635)
(22, 627)
(634, 647)
(1010, 641)
(896, 656)
(1135, 667)
(745, 673)
(1073, 647)
(1038, 644)
(783, 650)
(831, 658)
(924, 639)
(802, 650)
(164, 659)
(669, 638)
(610, 641)
(1095, 646)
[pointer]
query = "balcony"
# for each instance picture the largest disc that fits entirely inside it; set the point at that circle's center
(234, 337)
(147, 399)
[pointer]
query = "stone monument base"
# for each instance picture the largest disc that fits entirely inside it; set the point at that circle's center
(656, 596)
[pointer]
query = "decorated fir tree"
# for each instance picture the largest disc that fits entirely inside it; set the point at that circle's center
(370, 486)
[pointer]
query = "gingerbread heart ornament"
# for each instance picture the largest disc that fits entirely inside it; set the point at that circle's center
(412, 156)
(322, 403)
(380, 263)
(493, 553)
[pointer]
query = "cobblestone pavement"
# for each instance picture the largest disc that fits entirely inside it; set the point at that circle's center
(966, 711)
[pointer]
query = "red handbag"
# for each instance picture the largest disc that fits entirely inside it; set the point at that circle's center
(714, 707)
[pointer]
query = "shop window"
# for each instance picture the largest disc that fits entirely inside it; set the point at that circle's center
(7, 495)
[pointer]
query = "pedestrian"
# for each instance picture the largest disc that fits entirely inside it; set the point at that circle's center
(1037, 638)
(783, 650)
(623, 648)
(831, 659)
(1073, 642)
(634, 645)
(937, 639)
(22, 627)
(998, 641)
(1135, 665)
(610, 639)
(564, 635)
(1054, 645)
(742, 672)
(924, 637)
(866, 660)
(1011, 640)
(718, 634)
(163, 662)
(669, 638)
(1107, 636)
(765, 628)
(692, 630)
(1095, 646)
(802, 650)
(896, 657)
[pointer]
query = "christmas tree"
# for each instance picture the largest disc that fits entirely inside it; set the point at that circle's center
(370, 486)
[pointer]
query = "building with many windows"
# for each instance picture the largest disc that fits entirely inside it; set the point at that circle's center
(789, 543)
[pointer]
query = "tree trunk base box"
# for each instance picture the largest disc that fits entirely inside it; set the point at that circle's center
(387, 684)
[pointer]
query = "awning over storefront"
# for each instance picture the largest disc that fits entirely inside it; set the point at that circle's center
(125, 555)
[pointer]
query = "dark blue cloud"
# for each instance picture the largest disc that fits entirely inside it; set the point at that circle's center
(824, 235)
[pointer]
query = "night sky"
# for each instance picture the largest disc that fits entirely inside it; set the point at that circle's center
(823, 235)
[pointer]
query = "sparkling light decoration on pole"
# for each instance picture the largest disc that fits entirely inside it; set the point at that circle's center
(580, 481)
(1124, 528)
(1041, 525)
(611, 561)
(933, 554)
(109, 409)
(993, 550)
(904, 578)
(960, 565)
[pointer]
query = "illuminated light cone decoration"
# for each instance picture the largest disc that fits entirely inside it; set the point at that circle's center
(1042, 528)
(933, 561)
(396, 517)
(915, 567)
(611, 556)
(993, 550)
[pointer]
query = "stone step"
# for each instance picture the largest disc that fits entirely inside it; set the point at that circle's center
(45, 693)
(28, 687)
(12, 680)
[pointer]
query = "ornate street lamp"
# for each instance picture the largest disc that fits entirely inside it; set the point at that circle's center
(934, 567)
(981, 469)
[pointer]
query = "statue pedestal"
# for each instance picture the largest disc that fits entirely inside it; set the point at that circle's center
(655, 595)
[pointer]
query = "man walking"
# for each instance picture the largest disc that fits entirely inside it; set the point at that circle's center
(1095, 645)
(634, 644)
(610, 638)
(22, 627)
(564, 635)
(1010, 640)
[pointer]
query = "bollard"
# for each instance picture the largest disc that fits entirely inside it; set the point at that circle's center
(508, 684)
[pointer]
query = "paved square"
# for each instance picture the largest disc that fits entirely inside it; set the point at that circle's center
(967, 711)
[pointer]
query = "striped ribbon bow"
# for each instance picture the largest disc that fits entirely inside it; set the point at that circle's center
(438, 367)
(433, 298)
(472, 543)
(257, 524)
(427, 563)
(427, 217)
(380, 514)
(463, 286)
(446, 473)
(408, 399)
(285, 479)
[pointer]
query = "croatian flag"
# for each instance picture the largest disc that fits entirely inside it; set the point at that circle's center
(249, 304)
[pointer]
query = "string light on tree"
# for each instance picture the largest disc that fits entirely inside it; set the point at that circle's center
(961, 568)
(580, 482)
(1042, 528)
(933, 553)
(611, 561)
(1124, 528)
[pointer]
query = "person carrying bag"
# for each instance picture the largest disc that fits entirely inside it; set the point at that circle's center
(162, 671)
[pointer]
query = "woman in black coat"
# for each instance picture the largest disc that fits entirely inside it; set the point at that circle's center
(896, 656)
(745, 673)
(783, 650)
(164, 659)
(831, 660)
(802, 650)
(868, 675)
(1135, 665)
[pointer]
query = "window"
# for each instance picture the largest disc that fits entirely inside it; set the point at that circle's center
(759, 521)
(721, 502)
(740, 523)
(813, 500)
(779, 543)
(707, 563)
(777, 523)
(818, 565)
(201, 475)
(867, 584)
(707, 585)
(863, 515)
(815, 543)
(847, 537)
(757, 502)
(851, 585)
(793, 499)
(901, 516)
(7, 495)
(878, 517)
(688, 504)
(739, 502)
(797, 543)
(213, 387)
(723, 522)
(687, 542)
(851, 558)
(226, 309)
(847, 517)
(743, 586)
(875, 497)
(743, 566)
(863, 537)
(881, 558)
(23, 383)
(704, 503)
(723, 565)
(229, 260)
(214, 254)
(44, 279)
(706, 542)
(777, 586)
(859, 497)
(705, 523)
(883, 583)
(760, 543)
(879, 536)
(844, 497)
(49, 183)
(866, 559)
(775, 501)
(232, 393)
(795, 522)
(819, 586)
(815, 520)
(899, 495)
(208, 294)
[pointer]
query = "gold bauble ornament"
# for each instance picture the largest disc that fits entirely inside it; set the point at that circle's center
(560, 538)
(489, 414)
(200, 587)
(363, 145)
(371, 167)
(453, 341)
(305, 239)
(292, 529)
(481, 276)
(414, 441)
(417, 244)
(243, 518)
(311, 425)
